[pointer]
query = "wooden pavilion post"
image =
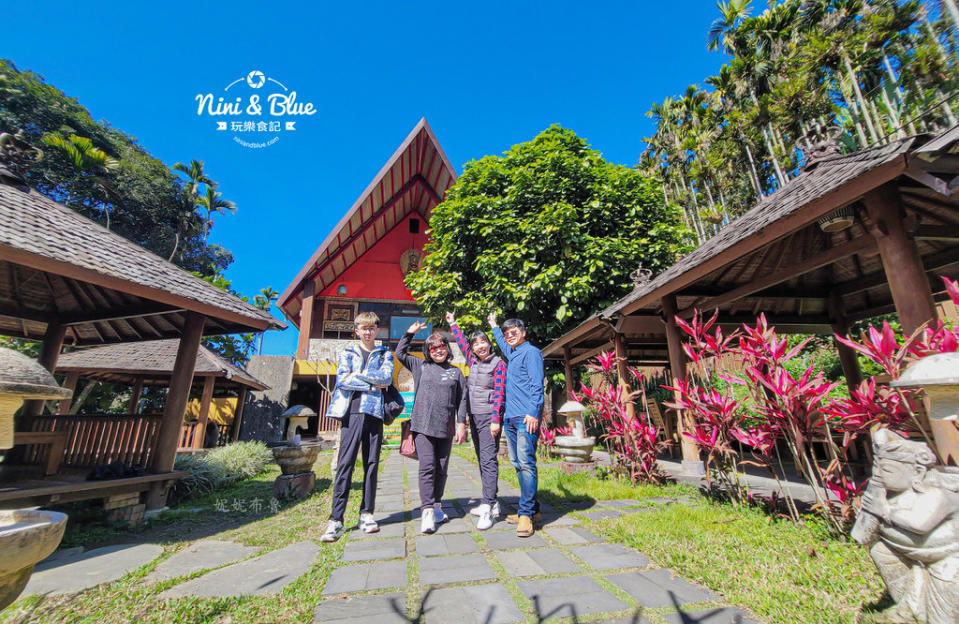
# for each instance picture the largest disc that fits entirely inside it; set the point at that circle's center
(49, 352)
(568, 373)
(306, 321)
(69, 382)
(164, 452)
(238, 413)
(847, 357)
(199, 433)
(622, 372)
(136, 393)
(677, 366)
(909, 286)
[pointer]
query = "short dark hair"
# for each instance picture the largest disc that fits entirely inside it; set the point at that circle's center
(435, 340)
(480, 334)
(514, 322)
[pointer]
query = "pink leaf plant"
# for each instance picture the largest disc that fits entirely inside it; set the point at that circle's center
(634, 443)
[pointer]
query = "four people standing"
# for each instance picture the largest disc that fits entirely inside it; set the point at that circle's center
(495, 392)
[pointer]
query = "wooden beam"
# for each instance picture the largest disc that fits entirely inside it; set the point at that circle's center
(810, 213)
(199, 433)
(164, 451)
(116, 314)
(238, 414)
(937, 232)
(306, 321)
(582, 357)
(70, 381)
(931, 263)
(834, 254)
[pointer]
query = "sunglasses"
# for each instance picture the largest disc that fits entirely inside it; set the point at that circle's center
(438, 348)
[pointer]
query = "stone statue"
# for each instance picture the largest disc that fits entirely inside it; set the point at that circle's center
(910, 518)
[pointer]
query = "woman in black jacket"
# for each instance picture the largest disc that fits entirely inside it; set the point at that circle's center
(438, 418)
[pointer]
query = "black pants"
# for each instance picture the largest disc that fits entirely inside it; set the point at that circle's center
(434, 454)
(357, 431)
(486, 448)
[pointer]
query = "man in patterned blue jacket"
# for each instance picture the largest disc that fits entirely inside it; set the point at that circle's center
(362, 372)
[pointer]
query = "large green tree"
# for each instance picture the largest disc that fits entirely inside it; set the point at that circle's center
(549, 232)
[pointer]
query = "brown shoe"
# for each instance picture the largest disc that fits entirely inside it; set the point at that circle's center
(514, 518)
(524, 528)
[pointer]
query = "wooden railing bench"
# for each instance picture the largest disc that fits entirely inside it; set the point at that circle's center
(36, 492)
(57, 441)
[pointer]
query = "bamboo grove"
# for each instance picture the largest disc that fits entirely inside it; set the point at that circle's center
(858, 73)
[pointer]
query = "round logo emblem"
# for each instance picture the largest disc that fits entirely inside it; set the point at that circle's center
(255, 79)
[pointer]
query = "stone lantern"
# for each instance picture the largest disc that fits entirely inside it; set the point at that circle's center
(938, 376)
(26, 535)
(575, 448)
(295, 457)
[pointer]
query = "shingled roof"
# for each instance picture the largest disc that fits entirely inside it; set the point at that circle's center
(827, 176)
(776, 259)
(152, 360)
(57, 266)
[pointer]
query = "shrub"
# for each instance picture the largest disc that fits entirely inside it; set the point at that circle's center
(218, 468)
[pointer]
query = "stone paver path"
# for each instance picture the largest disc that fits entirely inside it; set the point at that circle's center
(459, 575)
(463, 575)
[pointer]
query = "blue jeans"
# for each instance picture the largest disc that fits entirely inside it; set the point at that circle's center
(522, 453)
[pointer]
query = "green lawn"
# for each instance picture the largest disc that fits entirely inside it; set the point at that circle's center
(131, 600)
(782, 572)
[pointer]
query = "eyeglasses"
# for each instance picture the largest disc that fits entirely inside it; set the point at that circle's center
(513, 331)
(367, 328)
(438, 348)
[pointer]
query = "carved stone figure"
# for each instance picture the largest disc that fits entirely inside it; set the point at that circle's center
(910, 518)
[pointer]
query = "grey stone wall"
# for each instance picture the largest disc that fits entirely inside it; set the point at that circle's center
(261, 414)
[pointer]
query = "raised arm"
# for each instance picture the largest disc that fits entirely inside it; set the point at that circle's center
(504, 348)
(412, 364)
(499, 392)
(460, 339)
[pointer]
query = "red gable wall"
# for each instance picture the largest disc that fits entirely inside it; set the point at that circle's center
(376, 274)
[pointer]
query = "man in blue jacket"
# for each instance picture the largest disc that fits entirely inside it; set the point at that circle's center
(524, 409)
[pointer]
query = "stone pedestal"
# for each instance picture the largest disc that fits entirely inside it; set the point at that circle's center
(574, 467)
(573, 449)
(295, 487)
(26, 537)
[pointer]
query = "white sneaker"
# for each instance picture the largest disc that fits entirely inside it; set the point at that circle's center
(334, 531)
(485, 518)
(367, 523)
(427, 522)
(439, 516)
(478, 510)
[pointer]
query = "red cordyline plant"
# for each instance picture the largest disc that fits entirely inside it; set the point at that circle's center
(548, 435)
(782, 406)
(632, 439)
(796, 408)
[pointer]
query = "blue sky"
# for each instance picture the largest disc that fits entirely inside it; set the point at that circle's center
(485, 76)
